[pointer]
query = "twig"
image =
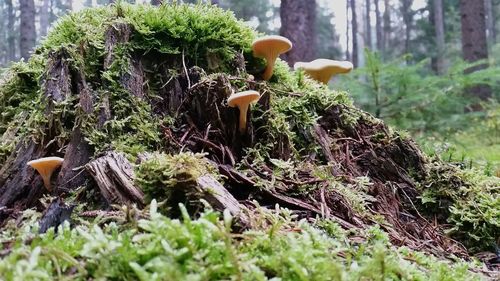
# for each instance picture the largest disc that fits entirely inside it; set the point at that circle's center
(185, 70)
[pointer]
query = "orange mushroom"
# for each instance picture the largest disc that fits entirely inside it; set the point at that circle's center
(45, 167)
(322, 70)
(242, 101)
(269, 48)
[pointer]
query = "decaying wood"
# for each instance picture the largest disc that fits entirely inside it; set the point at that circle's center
(218, 197)
(78, 151)
(56, 214)
(114, 176)
(19, 183)
(117, 35)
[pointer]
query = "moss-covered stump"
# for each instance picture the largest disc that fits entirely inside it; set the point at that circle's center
(138, 81)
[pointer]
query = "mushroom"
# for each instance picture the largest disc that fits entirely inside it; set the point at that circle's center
(270, 47)
(242, 100)
(45, 167)
(323, 69)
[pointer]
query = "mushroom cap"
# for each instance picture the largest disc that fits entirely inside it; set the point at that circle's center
(47, 163)
(326, 65)
(245, 97)
(271, 44)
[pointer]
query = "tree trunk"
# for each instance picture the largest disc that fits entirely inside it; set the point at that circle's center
(156, 2)
(368, 25)
(408, 21)
(387, 25)
(347, 33)
(44, 18)
(355, 53)
(474, 42)
(215, 2)
(27, 29)
(11, 37)
(298, 18)
(378, 27)
(490, 21)
(440, 39)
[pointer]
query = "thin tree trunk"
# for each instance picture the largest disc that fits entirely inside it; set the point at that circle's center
(355, 53)
(474, 42)
(368, 25)
(3, 45)
(215, 2)
(27, 29)
(490, 21)
(408, 21)
(348, 23)
(440, 39)
(11, 34)
(156, 2)
(298, 18)
(378, 27)
(44, 18)
(387, 25)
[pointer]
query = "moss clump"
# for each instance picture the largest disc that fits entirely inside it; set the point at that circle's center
(162, 175)
(469, 200)
(203, 33)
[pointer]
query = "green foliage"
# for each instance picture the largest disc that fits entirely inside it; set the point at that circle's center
(430, 102)
(470, 200)
(160, 248)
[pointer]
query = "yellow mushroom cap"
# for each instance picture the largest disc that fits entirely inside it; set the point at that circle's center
(270, 47)
(242, 100)
(323, 69)
(45, 167)
(272, 44)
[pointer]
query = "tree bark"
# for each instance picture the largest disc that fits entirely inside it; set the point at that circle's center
(27, 29)
(11, 37)
(354, 21)
(298, 19)
(440, 39)
(44, 18)
(368, 25)
(474, 42)
(378, 27)
(490, 21)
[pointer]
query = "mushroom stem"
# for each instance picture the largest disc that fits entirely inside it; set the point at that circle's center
(243, 118)
(268, 73)
(46, 182)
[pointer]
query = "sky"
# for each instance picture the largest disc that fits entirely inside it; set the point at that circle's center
(337, 6)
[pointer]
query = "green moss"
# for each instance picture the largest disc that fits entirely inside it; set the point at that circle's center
(470, 200)
(162, 174)
(160, 248)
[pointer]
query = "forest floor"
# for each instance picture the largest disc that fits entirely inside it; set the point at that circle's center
(160, 182)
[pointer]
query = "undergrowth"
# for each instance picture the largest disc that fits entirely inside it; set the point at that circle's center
(159, 248)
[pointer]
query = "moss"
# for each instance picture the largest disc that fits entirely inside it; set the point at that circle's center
(162, 174)
(469, 201)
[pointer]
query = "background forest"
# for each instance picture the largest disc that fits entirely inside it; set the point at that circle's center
(414, 59)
